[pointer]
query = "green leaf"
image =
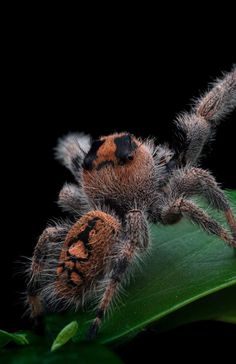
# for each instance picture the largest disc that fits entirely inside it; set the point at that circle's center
(185, 265)
(18, 338)
(217, 306)
(71, 353)
(65, 335)
(5, 338)
(228, 318)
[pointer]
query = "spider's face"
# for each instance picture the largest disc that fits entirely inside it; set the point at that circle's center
(111, 151)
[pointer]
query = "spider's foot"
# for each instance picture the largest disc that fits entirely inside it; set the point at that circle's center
(93, 330)
(38, 325)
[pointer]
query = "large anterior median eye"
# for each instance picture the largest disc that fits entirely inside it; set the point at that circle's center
(125, 147)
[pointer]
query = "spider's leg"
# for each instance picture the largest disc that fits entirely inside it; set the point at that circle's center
(197, 127)
(195, 181)
(73, 199)
(134, 239)
(50, 235)
(71, 151)
(175, 209)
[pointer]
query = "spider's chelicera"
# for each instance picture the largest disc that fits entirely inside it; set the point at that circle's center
(123, 184)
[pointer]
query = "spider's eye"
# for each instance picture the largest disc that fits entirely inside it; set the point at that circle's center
(125, 147)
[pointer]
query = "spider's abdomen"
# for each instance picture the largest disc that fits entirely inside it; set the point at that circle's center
(84, 252)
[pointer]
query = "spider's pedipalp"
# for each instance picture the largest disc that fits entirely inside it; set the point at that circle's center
(197, 127)
(71, 151)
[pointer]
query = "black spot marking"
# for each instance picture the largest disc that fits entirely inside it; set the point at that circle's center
(92, 155)
(69, 271)
(73, 258)
(105, 164)
(125, 148)
(84, 236)
(172, 218)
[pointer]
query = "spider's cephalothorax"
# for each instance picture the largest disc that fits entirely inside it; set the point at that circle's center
(122, 184)
(119, 171)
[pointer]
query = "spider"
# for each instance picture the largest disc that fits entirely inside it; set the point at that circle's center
(123, 184)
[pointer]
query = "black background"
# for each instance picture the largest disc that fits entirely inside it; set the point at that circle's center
(57, 82)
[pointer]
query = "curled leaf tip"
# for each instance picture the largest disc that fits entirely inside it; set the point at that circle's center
(65, 335)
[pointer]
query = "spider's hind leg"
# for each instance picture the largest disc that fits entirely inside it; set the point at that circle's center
(182, 207)
(187, 182)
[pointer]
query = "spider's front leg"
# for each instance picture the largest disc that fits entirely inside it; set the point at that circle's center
(133, 239)
(49, 236)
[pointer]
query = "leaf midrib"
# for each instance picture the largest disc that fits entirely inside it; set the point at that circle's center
(170, 310)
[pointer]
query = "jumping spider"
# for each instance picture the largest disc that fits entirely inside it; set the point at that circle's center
(122, 185)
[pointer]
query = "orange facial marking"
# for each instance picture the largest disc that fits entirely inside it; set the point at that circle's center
(92, 233)
(75, 278)
(59, 270)
(78, 250)
(69, 264)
